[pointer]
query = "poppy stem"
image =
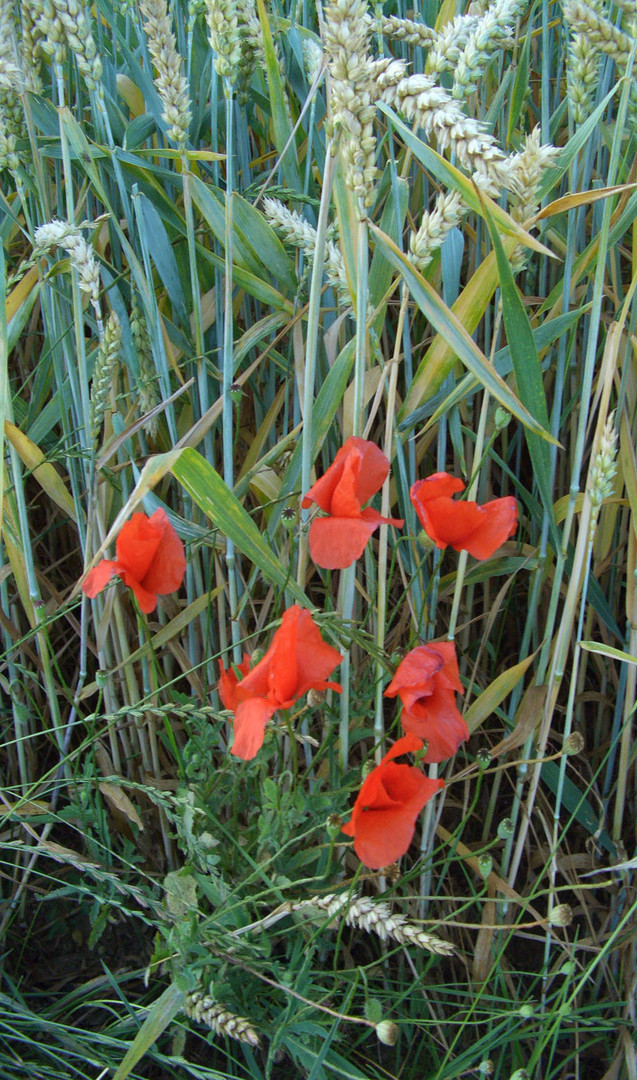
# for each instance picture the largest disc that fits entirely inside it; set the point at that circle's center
(348, 589)
(462, 561)
(311, 348)
(381, 605)
(362, 300)
(228, 361)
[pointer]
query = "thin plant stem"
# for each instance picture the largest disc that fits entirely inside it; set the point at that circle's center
(311, 348)
(227, 419)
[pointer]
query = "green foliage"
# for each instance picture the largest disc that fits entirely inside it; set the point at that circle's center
(155, 912)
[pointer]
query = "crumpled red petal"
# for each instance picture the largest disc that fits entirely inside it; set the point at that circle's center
(338, 542)
(464, 526)
(388, 803)
(438, 721)
(367, 467)
(147, 600)
(99, 577)
(249, 726)
(137, 543)
(229, 681)
(168, 566)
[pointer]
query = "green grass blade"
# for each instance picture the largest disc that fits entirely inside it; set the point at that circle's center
(159, 1016)
(211, 495)
(528, 374)
(280, 120)
(445, 322)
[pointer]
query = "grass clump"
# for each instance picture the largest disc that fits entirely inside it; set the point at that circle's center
(317, 379)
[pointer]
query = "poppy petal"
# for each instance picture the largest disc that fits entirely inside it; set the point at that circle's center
(322, 491)
(370, 515)
(463, 525)
(407, 744)
(371, 470)
(283, 672)
(338, 542)
(168, 566)
(413, 676)
(99, 577)
(249, 726)
(441, 725)
(383, 835)
(146, 600)
(449, 675)
(345, 502)
(499, 523)
(229, 681)
(315, 659)
(137, 545)
(374, 467)
(449, 523)
(440, 484)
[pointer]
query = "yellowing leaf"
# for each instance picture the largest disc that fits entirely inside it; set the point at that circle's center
(44, 472)
(120, 802)
(494, 694)
(18, 295)
(131, 94)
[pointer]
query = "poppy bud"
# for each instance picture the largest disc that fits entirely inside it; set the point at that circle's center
(505, 828)
(568, 968)
(483, 758)
(520, 1074)
(485, 865)
(288, 518)
(425, 541)
(333, 825)
(526, 1011)
(560, 915)
(387, 1032)
(315, 698)
(573, 743)
(485, 1068)
(502, 418)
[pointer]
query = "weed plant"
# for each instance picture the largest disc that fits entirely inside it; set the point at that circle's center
(234, 236)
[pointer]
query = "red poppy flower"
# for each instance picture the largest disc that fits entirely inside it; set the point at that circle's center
(229, 680)
(150, 560)
(298, 660)
(357, 472)
(427, 682)
(465, 526)
(387, 805)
